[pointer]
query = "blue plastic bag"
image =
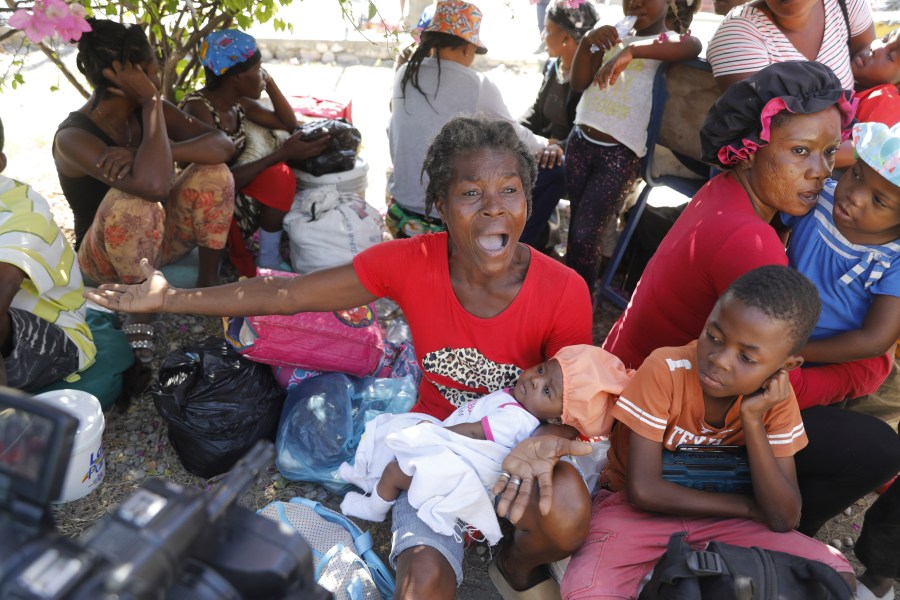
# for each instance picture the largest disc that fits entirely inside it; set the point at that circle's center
(325, 416)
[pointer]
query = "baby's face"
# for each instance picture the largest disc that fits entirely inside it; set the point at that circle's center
(540, 390)
(879, 63)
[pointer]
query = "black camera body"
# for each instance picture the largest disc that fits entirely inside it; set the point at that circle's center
(163, 541)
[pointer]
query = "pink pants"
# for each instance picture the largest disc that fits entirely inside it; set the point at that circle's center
(624, 543)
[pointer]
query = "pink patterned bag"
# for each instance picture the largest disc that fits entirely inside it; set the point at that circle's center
(345, 341)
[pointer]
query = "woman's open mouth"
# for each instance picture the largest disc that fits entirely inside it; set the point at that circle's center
(494, 242)
(809, 198)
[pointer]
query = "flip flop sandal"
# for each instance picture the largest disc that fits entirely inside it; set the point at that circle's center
(545, 590)
(143, 348)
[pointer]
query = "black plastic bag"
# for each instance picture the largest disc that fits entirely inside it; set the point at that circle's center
(217, 404)
(340, 153)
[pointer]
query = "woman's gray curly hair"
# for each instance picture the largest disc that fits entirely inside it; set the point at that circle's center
(463, 135)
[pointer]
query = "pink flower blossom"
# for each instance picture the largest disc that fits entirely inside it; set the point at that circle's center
(36, 26)
(49, 17)
(55, 10)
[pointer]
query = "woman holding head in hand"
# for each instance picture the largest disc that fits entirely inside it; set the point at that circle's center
(502, 306)
(115, 157)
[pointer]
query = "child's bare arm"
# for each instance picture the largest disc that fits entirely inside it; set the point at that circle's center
(774, 479)
(472, 430)
(686, 48)
(586, 62)
(878, 334)
(648, 491)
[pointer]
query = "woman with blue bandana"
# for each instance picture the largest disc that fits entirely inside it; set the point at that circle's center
(235, 81)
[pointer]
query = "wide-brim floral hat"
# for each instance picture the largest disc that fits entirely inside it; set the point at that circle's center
(460, 19)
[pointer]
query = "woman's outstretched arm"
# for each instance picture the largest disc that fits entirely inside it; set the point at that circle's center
(330, 289)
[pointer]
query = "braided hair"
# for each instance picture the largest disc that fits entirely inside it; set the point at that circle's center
(431, 40)
(461, 136)
(106, 42)
(680, 14)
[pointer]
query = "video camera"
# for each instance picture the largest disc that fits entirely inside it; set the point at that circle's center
(163, 541)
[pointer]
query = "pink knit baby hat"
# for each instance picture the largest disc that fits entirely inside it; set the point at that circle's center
(592, 380)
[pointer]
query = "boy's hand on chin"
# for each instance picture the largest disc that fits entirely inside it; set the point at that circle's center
(775, 390)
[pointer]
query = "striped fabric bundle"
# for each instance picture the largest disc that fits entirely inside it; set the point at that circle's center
(31, 240)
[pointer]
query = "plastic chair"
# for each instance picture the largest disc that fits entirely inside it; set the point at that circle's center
(682, 94)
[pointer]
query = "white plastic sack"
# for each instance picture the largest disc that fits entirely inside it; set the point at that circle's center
(328, 228)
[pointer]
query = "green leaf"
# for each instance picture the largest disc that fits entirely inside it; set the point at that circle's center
(372, 10)
(54, 88)
(111, 10)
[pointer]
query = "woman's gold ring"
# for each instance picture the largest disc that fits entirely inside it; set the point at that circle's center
(516, 481)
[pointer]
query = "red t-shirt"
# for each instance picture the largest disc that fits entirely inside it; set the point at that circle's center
(717, 239)
(664, 403)
(880, 104)
(463, 356)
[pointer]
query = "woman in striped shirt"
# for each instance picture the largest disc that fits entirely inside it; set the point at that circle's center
(760, 33)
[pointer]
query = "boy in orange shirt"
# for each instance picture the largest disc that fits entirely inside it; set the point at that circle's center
(730, 387)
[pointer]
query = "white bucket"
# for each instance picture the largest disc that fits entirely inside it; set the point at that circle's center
(86, 464)
(354, 180)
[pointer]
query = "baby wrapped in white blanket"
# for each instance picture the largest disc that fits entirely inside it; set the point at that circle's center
(448, 467)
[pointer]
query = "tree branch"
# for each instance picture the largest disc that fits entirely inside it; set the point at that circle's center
(8, 34)
(171, 67)
(54, 58)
